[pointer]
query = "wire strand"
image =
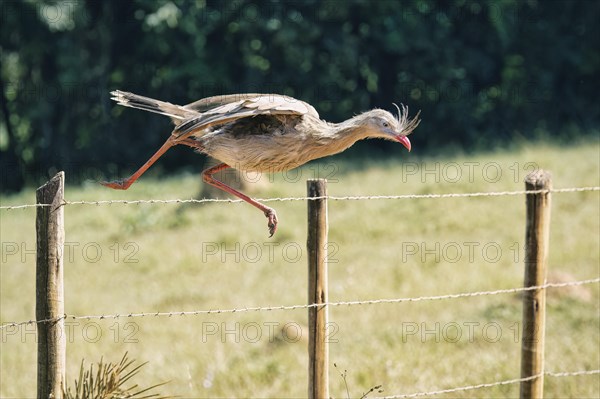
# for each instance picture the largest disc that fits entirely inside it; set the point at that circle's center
(296, 307)
(330, 197)
(492, 384)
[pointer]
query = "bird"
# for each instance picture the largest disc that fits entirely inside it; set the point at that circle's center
(264, 133)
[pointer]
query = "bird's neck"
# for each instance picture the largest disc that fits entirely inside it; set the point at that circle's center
(324, 138)
(348, 132)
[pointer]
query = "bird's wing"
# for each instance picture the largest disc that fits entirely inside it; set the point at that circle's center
(244, 106)
(208, 103)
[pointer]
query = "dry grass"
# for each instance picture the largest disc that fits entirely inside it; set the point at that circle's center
(110, 381)
(130, 258)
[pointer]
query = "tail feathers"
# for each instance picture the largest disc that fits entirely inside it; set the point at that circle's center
(176, 112)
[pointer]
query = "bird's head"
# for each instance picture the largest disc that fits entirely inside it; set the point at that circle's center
(379, 123)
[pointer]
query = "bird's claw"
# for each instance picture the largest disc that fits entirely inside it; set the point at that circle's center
(115, 184)
(272, 216)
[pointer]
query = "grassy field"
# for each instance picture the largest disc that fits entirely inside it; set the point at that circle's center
(169, 257)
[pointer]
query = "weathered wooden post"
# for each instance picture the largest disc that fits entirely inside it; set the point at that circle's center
(49, 303)
(318, 350)
(537, 234)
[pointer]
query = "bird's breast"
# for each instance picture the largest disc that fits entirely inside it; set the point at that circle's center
(266, 145)
(258, 153)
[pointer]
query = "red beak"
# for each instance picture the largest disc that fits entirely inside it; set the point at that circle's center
(404, 141)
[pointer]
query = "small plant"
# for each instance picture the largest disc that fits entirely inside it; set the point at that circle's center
(108, 382)
(344, 374)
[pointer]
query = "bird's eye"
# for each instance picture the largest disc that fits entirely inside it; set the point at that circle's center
(385, 124)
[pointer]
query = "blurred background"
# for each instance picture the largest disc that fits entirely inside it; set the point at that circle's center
(484, 73)
(504, 88)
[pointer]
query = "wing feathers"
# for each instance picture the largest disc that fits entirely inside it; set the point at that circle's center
(264, 104)
(216, 110)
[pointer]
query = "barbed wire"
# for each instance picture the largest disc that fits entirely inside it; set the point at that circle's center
(492, 384)
(330, 197)
(340, 303)
(306, 306)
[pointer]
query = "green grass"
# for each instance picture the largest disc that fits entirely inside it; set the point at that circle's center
(169, 258)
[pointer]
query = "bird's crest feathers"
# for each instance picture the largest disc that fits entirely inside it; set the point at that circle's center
(407, 126)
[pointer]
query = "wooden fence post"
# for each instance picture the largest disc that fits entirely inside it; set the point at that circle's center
(49, 303)
(318, 350)
(537, 233)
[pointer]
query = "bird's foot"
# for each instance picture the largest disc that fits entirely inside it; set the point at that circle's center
(120, 184)
(272, 216)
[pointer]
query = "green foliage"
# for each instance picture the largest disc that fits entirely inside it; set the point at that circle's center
(482, 72)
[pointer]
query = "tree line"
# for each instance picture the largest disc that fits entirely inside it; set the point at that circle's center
(483, 73)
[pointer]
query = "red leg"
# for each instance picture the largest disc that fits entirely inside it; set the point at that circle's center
(123, 184)
(269, 212)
